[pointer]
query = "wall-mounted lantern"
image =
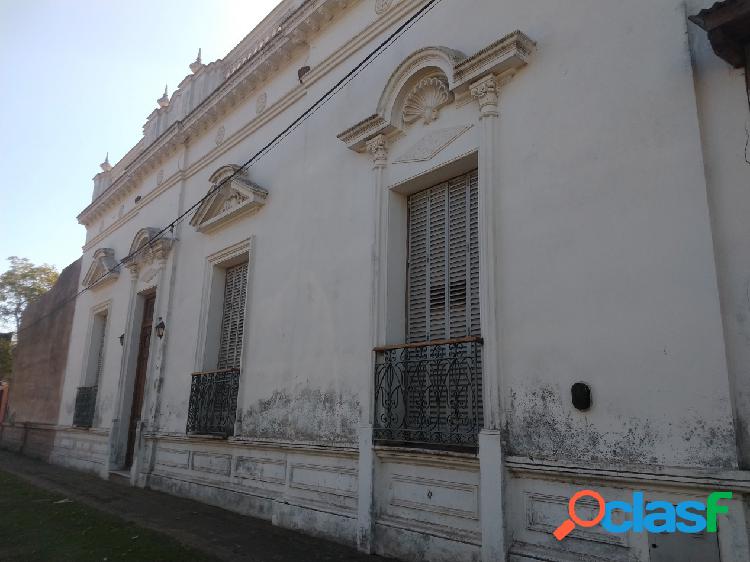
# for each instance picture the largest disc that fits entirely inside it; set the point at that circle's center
(122, 339)
(727, 24)
(160, 328)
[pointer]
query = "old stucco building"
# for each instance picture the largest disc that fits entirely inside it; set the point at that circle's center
(374, 332)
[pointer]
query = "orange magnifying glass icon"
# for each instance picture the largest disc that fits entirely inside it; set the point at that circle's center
(569, 524)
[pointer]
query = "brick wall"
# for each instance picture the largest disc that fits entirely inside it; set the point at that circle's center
(42, 352)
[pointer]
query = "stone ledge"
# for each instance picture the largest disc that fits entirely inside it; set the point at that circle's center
(673, 477)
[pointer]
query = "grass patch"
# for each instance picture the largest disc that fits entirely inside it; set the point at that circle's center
(39, 526)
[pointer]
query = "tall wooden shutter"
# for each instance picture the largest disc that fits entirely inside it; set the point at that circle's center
(443, 254)
(100, 348)
(233, 317)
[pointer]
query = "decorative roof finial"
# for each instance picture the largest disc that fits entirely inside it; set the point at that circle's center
(164, 100)
(106, 166)
(196, 65)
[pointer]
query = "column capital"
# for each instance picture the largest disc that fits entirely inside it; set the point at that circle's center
(378, 148)
(486, 91)
(132, 267)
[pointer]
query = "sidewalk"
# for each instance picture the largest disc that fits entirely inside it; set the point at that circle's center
(220, 533)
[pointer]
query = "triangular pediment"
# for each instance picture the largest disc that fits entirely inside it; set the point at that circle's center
(103, 269)
(230, 198)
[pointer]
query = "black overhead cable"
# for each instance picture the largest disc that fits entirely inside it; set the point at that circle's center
(359, 67)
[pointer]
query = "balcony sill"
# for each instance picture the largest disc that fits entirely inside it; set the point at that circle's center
(212, 436)
(104, 431)
(427, 457)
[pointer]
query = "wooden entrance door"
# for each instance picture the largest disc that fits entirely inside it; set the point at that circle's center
(140, 374)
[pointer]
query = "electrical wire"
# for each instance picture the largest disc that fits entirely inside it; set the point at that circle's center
(320, 102)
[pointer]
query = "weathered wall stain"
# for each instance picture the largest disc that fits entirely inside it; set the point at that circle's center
(539, 425)
(306, 415)
(104, 404)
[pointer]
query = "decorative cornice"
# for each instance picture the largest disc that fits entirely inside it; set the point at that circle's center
(208, 158)
(356, 136)
(507, 53)
(136, 157)
(275, 23)
(244, 74)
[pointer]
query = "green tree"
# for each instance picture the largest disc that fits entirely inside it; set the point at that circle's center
(20, 285)
(6, 357)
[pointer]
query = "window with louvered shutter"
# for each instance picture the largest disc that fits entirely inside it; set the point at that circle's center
(102, 318)
(443, 261)
(233, 317)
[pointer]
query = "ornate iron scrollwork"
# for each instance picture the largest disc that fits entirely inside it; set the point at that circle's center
(429, 393)
(83, 415)
(213, 402)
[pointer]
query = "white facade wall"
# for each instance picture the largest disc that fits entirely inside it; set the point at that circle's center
(619, 198)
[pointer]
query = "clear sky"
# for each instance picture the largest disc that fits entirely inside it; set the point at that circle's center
(79, 78)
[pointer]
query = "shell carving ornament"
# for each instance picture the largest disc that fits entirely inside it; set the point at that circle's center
(382, 6)
(426, 99)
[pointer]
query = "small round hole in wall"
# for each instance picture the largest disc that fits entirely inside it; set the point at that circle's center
(580, 393)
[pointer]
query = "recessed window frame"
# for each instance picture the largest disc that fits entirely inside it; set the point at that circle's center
(96, 344)
(212, 304)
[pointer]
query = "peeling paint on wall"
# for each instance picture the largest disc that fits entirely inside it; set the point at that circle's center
(540, 426)
(307, 415)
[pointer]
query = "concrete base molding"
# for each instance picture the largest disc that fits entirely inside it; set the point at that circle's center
(405, 503)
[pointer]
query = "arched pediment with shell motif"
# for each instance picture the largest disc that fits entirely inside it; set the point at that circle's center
(430, 79)
(149, 244)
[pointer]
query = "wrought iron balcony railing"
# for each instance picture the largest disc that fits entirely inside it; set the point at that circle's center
(83, 415)
(429, 393)
(213, 402)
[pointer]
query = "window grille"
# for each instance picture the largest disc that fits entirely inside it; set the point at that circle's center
(83, 413)
(233, 317)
